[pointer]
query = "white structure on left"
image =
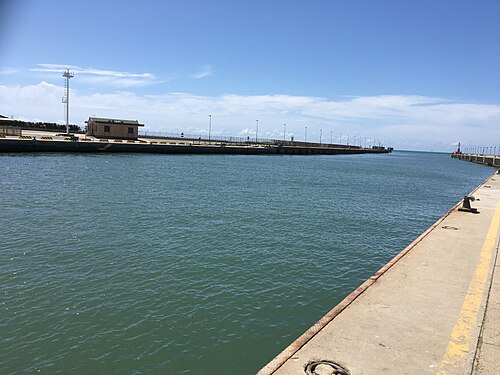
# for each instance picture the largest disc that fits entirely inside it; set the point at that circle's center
(67, 75)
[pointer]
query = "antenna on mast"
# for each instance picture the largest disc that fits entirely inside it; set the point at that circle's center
(67, 75)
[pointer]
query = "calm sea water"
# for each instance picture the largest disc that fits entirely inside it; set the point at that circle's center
(164, 264)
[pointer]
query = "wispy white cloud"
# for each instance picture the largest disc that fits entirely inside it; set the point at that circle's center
(408, 122)
(204, 72)
(8, 71)
(100, 76)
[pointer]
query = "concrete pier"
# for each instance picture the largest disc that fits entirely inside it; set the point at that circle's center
(491, 160)
(433, 309)
(37, 141)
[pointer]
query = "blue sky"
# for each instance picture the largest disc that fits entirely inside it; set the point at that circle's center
(416, 75)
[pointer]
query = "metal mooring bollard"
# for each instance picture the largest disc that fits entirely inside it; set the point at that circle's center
(466, 205)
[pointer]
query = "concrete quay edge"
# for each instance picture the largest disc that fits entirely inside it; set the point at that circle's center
(291, 361)
(490, 160)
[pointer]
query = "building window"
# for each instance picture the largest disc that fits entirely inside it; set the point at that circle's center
(130, 130)
(106, 128)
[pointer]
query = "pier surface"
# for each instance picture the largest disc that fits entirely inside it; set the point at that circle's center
(434, 309)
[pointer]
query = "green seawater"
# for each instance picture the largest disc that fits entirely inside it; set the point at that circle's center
(198, 264)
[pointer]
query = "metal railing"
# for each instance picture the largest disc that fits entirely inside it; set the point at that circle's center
(481, 150)
(239, 140)
(8, 130)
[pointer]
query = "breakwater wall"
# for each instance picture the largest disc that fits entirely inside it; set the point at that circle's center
(78, 145)
(490, 160)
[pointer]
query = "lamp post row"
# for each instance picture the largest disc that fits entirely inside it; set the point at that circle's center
(305, 134)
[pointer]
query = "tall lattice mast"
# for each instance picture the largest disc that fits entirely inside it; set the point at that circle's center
(67, 75)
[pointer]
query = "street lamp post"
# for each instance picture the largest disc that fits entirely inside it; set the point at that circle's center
(256, 130)
(331, 137)
(320, 135)
(209, 127)
(284, 132)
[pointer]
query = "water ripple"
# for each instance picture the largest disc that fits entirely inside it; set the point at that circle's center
(165, 264)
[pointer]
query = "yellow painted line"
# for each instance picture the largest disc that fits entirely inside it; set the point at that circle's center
(459, 344)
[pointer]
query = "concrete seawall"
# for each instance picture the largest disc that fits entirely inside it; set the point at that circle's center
(84, 145)
(433, 309)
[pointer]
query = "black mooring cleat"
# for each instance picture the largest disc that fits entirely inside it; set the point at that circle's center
(466, 205)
